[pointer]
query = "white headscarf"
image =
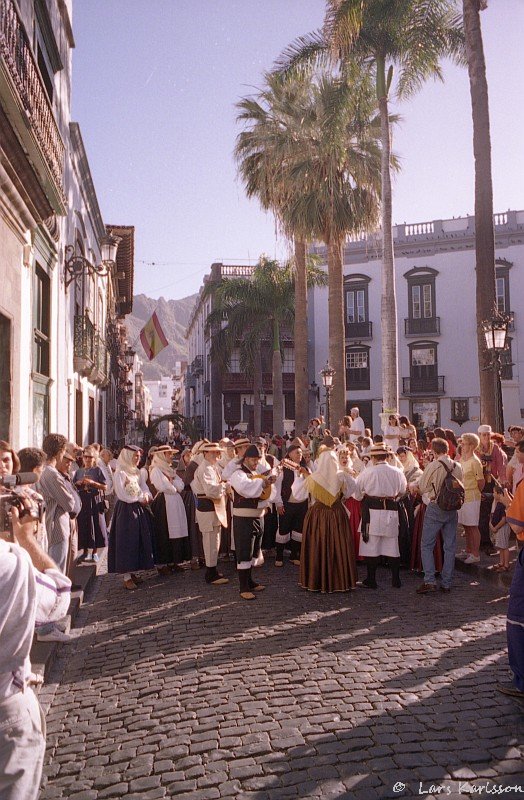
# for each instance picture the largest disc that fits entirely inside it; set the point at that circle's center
(162, 460)
(325, 483)
(124, 462)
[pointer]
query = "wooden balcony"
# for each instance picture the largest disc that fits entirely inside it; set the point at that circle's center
(239, 382)
(359, 330)
(27, 106)
(429, 387)
(84, 348)
(429, 326)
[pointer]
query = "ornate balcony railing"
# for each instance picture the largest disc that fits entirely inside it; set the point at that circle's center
(424, 325)
(430, 387)
(100, 372)
(197, 365)
(84, 347)
(15, 52)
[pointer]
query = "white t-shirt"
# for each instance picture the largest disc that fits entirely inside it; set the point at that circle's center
(358, 428)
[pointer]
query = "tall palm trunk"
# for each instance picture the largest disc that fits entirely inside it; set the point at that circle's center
(336, 331)
(278, 395)
(388, 303)
(301, 339)
(257, 391)
(484, 230)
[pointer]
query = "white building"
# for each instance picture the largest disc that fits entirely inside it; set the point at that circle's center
(162, 392)
(62, 364)
(437, 346)
(219, 401)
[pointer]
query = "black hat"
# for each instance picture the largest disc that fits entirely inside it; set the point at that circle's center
(252, 452)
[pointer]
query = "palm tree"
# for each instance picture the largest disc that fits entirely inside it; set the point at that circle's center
(413, 36)
(262, 151)
(484, 230)
(243, 311)
(325, 173)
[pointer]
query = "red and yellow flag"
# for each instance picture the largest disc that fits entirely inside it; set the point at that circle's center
(153, 337)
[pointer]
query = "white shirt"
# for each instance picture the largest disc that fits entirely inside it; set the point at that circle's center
(380, 480)
(27, 598)
(358, 428)
(395, 431)
(130, 488)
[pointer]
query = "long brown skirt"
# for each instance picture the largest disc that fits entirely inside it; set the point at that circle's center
(327, 562)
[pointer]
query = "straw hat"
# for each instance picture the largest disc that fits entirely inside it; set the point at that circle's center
(241, 442)
(379, 449)
(211, 447)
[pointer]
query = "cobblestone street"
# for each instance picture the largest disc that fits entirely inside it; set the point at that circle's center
(181, 689)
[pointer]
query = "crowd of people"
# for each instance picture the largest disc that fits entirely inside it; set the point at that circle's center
(326, 503)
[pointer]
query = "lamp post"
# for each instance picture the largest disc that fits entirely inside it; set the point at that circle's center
(327, 375)
(495, 332)
(77, 265)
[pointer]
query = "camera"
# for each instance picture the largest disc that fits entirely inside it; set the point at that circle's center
(30, 505)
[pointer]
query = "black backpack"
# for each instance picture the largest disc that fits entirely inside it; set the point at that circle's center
(451, 493)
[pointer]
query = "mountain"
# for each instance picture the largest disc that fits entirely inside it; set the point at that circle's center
(174, 317)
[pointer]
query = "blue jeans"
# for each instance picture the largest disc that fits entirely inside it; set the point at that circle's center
(435, 520)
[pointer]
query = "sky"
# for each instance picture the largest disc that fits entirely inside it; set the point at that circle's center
(155, 83)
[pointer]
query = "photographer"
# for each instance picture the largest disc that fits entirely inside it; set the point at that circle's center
(62, 501)
(32, 590)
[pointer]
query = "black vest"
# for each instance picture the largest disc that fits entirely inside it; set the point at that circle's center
(239, 501)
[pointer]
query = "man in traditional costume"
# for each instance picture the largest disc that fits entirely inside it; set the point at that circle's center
(252, 493)
(240, 448)
(209, 490)
(379, 487)
(292, 512)
(270, 519)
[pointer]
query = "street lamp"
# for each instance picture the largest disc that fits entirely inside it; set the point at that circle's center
(77, 265)
(495, 333)
(327, 375)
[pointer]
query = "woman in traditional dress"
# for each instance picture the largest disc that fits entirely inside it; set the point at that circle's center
(515, 618)
(327, 562)
(171, 542)
(131, 533)
(90, 483)
(188, 498)
(412, 472)
(353, 506)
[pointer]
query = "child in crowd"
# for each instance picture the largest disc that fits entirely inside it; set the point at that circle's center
(499, 526)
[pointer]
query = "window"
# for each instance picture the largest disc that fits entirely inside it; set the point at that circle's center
(162, 390)
(234, 361)
(500, 286)
(506, 360)
(357, 368)
(421, 301)
(355, 306)
(41, 322)
(288, 362)
(423, 372)
(356, 299)
(502, 294)
(45, 47)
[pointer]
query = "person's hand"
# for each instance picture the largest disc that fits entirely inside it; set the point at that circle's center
(23, 529)
(280, 511)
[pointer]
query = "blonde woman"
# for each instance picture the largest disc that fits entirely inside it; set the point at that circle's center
(468, 516)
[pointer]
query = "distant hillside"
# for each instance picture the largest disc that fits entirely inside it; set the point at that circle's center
(174, 317)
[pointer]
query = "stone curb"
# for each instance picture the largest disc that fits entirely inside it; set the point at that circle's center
(43, 654)
(483, 573)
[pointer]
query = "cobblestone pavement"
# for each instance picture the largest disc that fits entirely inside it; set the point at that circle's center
(183, 690)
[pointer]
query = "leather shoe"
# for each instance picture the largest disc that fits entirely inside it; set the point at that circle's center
(510, 689)
(247, 595)
(445, 589)
(426, 588)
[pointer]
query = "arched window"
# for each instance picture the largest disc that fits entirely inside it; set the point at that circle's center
(422, 317)
(356, 301)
